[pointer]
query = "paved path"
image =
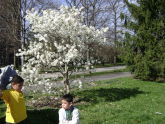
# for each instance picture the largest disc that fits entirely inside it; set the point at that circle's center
(108, 76)
(102, 77)
(76, 82)
(109, 68)
(51, 75)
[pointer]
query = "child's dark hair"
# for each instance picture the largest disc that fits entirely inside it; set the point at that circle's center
(67, 97)
(17, 79)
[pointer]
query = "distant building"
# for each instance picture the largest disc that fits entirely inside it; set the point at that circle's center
(10, 30)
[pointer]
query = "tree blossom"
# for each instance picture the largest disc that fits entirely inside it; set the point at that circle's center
(59, 39)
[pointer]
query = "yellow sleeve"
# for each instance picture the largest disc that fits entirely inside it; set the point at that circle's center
(5, 95)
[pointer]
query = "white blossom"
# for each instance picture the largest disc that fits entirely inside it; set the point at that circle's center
(59, 38)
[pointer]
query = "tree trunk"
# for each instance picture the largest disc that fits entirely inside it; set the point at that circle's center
(88, 60)
(14, 59)
(66, 79)
(67, 87)
(114, 59)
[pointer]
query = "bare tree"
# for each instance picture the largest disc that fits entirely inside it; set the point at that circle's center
(10, 30)
(115, 7)
(75, 3)
(39, 5)
(14, 32)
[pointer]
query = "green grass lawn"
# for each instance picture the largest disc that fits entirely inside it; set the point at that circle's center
(117, 101)
(123, 101)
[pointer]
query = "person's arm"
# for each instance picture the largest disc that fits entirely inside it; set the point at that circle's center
(61, 117)
(4, 94)
(75, 117)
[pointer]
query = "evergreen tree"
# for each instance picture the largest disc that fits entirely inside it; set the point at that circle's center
(145, 45)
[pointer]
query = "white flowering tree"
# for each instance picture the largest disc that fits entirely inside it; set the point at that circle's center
(59, 38)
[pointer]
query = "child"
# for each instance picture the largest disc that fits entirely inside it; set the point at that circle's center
(14, 99)
(68, 114)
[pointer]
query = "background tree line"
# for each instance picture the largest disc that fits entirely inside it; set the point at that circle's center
(135, 36)
(98, 13)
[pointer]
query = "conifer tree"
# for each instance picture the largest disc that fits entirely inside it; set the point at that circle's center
(145, 45)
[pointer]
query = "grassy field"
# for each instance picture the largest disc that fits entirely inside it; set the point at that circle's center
(123, 101)
(118, 101)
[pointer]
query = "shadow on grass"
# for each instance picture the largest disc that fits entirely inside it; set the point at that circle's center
(2, 111)
(2, 120)
(43, 116)
(107, 94)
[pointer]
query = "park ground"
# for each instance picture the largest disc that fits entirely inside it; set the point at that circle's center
(117, 101)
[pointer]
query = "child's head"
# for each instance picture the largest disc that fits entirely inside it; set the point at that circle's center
(67, 101)
(17, 83)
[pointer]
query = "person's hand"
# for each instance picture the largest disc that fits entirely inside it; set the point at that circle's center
(63, 122)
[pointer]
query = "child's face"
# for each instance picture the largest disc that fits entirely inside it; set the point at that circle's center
(65, 104)
(17, 86)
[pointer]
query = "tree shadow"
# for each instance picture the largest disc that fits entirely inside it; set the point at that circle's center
(2, 120)
(107, 94)
(43, 116)
(2, 110)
